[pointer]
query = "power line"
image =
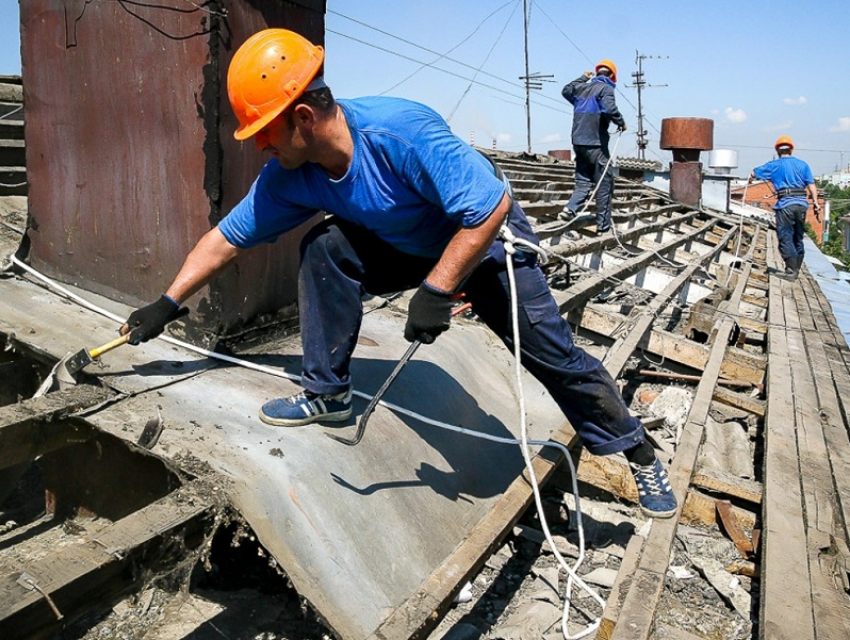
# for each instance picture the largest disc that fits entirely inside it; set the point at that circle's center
(441, 56)
(487, 57)
(451, 73)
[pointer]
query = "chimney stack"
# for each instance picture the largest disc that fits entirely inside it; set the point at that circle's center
(686, 138)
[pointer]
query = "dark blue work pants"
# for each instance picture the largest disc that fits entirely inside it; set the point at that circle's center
(790, 229)
(590, 163)
(341, 261)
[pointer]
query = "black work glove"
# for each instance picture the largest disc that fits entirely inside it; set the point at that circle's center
(428, 315)
(148, 322)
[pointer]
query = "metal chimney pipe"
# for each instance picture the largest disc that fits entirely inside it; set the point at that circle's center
(686, 138)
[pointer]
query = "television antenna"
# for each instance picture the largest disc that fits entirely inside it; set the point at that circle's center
(640, 83)
(532, 80)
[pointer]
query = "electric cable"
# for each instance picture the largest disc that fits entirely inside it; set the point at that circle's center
(478, 70)
(440, 55)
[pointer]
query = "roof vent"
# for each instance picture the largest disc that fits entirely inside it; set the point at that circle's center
(723, 161)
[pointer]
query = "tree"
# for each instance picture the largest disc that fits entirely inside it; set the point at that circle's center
(839, 202)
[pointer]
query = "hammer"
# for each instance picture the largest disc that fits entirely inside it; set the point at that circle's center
(85, 357)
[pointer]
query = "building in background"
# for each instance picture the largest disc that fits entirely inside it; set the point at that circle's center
(760, 194)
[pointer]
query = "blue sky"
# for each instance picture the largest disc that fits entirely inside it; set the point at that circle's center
(758, 68)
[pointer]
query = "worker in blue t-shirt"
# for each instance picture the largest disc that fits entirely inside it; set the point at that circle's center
(594, 109)
(792, 180)
(410, 206)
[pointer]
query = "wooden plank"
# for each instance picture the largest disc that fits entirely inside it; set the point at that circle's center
(619, 354)
(611, 613)
(419, 614)
(733, 528)
(34, 426)
(97, 573)
(738, 364)
(592, 284)
(639, 606)
(786, 605)
(727, 484)
(827, 373)
(830, 602)
(595, 244)
(816, 477)
(740, 401)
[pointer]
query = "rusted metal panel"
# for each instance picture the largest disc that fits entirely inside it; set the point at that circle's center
(130, 151)
(687, 133)
(686, 182)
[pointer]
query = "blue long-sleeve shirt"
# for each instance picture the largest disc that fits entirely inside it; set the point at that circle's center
(594, 108)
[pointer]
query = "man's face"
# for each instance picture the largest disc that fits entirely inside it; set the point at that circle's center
(283, 140)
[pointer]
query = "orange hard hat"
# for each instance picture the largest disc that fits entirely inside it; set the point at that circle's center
(268, 72)
(608, 64)
(784, 141)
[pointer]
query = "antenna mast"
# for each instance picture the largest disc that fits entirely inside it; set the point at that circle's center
(642, 137)
(532, 80)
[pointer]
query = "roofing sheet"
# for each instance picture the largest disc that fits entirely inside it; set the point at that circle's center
(834, 285)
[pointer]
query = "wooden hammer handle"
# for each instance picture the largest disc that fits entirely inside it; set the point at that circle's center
(109, 346)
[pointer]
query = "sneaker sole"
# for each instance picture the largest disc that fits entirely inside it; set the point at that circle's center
(661, 515)
(339, 416)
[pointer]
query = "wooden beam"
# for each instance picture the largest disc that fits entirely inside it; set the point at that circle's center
(416, 617)
(727, 484)
(35, 426)
(786, 605)
(738, 364)
(593, 284)
(98, 572)
(597, 244)
(642, 600)
(619, 354)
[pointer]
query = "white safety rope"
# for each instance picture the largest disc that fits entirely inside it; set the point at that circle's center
(510, 242)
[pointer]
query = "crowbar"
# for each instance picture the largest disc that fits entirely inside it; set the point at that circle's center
(361, 425)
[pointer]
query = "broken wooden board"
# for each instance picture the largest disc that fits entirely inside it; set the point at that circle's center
(94, 575)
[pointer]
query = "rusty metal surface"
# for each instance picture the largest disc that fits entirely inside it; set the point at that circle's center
(687, 133)
(561, 154)
(686, 182)
(130, 152)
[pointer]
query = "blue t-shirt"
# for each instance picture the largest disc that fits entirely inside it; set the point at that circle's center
(411, 181)
(786, 172)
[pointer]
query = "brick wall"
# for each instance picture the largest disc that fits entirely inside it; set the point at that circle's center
(760, 194)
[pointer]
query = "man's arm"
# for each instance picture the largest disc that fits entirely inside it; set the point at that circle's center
(609, 104)
(569, 91)
(430, 309)
(206, 261)
(211, 255)
(466, 249)
(813, 194)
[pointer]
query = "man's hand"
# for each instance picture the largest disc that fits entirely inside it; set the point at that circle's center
(148, 322)
(588, 74)
(816, 208)
(428, 315)
(622, 127)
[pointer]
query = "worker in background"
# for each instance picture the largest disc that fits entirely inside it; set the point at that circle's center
(594, 109)
(792, 180)
(411, 206)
